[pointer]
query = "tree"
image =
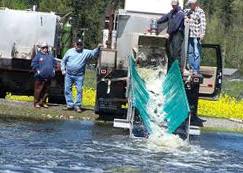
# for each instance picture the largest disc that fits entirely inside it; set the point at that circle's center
(224, 26)
(13, 4)
(57, 6)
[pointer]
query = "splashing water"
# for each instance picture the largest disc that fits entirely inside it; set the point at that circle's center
(159, 137)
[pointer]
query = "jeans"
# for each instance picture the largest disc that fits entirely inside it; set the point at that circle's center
(195, 53)
(69, 81)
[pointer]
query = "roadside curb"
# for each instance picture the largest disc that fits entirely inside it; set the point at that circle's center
(236, 120)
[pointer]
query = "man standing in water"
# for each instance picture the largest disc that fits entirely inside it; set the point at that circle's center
(175, 32)
(73, 67)
(197, 25)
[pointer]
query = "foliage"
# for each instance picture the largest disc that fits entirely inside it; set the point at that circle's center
(225, 107)
(57, 6)
(224, 27)
(19, 98)
(89, 14)
(233, 89)
(88, 97)
(15, 4)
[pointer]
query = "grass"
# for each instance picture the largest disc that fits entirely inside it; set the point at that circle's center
(220, 129)
(233, 89)
(90, 78)
(27, 112)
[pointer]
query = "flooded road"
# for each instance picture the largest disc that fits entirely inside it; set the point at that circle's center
(88, 146)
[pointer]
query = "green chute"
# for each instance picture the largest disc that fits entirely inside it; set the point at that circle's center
(176, 107)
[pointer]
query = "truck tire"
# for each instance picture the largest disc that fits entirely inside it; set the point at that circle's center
(56, 99)
(3, 93)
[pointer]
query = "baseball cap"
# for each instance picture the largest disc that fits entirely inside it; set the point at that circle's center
(192, 1)
(79, 41)
(174, 2)
(43, 44)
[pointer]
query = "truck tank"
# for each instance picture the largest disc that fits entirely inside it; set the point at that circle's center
(21, 32)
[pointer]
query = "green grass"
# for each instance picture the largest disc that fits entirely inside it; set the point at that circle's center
(90, 78)
(220, 129)
(233, 89)
(42, 114)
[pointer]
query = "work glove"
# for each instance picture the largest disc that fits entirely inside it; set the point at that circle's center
(100, 46)
(202, 38)
(167, 36)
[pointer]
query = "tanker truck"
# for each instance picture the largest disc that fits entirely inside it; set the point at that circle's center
(129, 36)
(21, 32)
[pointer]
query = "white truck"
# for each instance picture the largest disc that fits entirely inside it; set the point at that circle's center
(130, 35)
(20, 33)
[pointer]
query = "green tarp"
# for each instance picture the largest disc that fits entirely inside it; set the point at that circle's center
(176, 107)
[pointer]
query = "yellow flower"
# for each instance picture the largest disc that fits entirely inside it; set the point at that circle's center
(225, 107)
(89, 95)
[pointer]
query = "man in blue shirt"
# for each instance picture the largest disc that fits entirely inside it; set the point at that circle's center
(175, 32)
(73, 67)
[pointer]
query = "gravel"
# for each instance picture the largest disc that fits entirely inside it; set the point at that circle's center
(222, 123)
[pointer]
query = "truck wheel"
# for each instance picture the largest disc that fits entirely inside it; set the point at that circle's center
(57, 99)
(3, 94)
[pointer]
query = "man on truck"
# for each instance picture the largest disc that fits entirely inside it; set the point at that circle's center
(175, 32)
(73, 67)
(197, 25)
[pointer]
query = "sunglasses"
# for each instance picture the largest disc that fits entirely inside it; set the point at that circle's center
(79, 44)
(44, 48)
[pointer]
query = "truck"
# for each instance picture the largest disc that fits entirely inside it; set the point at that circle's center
(21, 32)
(129, 34)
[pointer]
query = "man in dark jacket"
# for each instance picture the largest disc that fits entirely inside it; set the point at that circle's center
(175, 19)
(44, 65)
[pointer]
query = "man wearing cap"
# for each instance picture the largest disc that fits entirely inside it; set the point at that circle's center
(197, 25)
(44, 65)
(73, 67)
(175, 19)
